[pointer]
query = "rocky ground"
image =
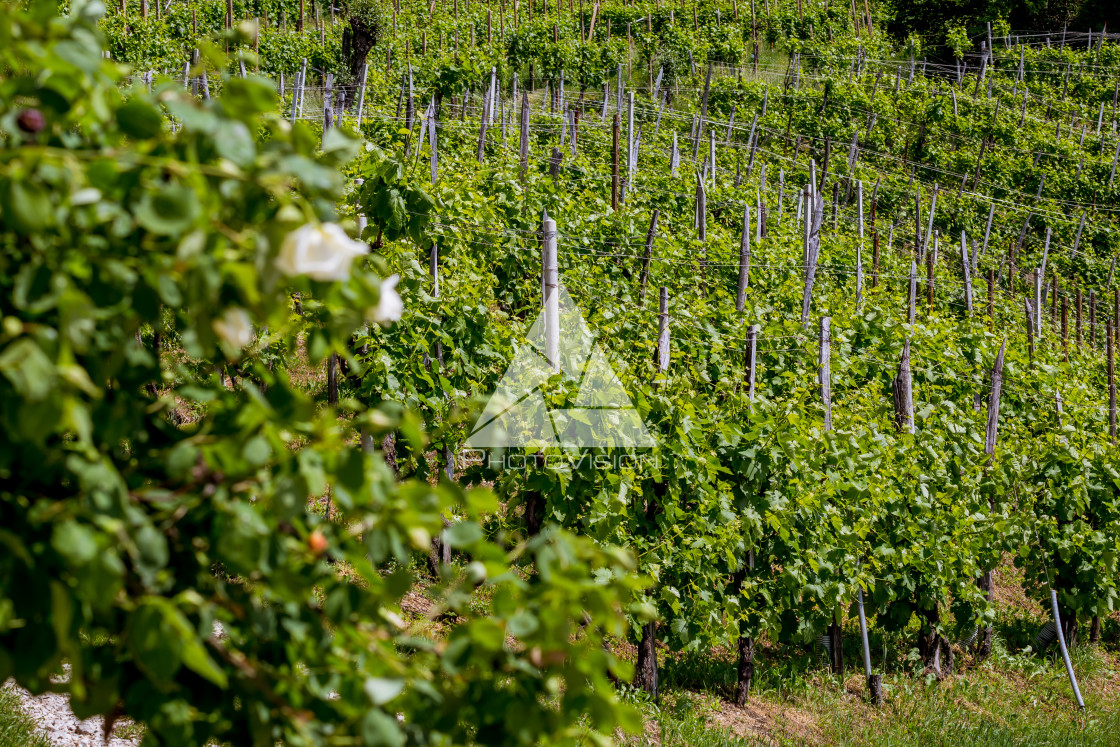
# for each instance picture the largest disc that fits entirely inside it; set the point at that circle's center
(51, 712)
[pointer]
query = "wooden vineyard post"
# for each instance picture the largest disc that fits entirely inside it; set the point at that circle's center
(206, 80)
(440, 555)
(984, 643)
(1054, 302)
(745, 671)
(835, 633)
(929, 282)
(332, 379)
(551, 282)
(874, 259)
(1010, 268)
(967, 274)
(991, 299)
(992, 431)
(534, 500)
(744, 261)
(1077, 313)
(912, 296)
(1092, 320)
(1111, 383)
(296, 92)
(433, 141)
(524, 136)
(701, 210)
(874, 681)
(903, 393)
(751, 359)
(1077, 239)
(824, 372)
(487, 115)
(814, 214)
(859, 246)
(903, 396)
(614, 162)
(328, 122)
(644, 281)
(929, 227)
(1065, 328)
(1030, 320)
(575, 130)
(433, 271)
(988, 228)
(835, 204)
(663, 332)
(362, 95)
(302, 89)
(1036, 310)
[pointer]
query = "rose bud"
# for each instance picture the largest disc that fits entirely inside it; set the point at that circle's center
(31, 121)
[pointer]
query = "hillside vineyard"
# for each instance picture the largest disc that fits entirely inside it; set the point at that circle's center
(883, 280)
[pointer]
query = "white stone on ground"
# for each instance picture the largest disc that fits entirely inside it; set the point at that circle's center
(51, 713)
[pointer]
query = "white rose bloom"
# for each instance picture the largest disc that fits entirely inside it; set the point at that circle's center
(320, 252)
(235, 327)
(390, 307)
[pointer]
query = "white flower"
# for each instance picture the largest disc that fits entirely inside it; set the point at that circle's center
(235, 328)
(319, 252)
(390, 307)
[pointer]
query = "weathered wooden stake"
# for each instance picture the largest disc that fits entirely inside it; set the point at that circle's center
(814, 214)
(912, 296)
(550, 286)
(988, 228)
(648, 253)
(991, 299)
(903, 393)
(1077, 312)
(1065, 327)
(332, 379)
(874, 683)
(835, 632)
(663, 332)
(1037, 309)
(1111, 382)
(874, 259)
(751, 358)
(525, 114)
(967, 274)
(362, 94)
(614, 161)
(929, 228)
(701, 210)
(1116, 315)
(918, 222)
(744, 261)
(824, 372)
(929, 281)
(1092, 320)
(1077, 239)
(1029, 314)
(984, 644)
